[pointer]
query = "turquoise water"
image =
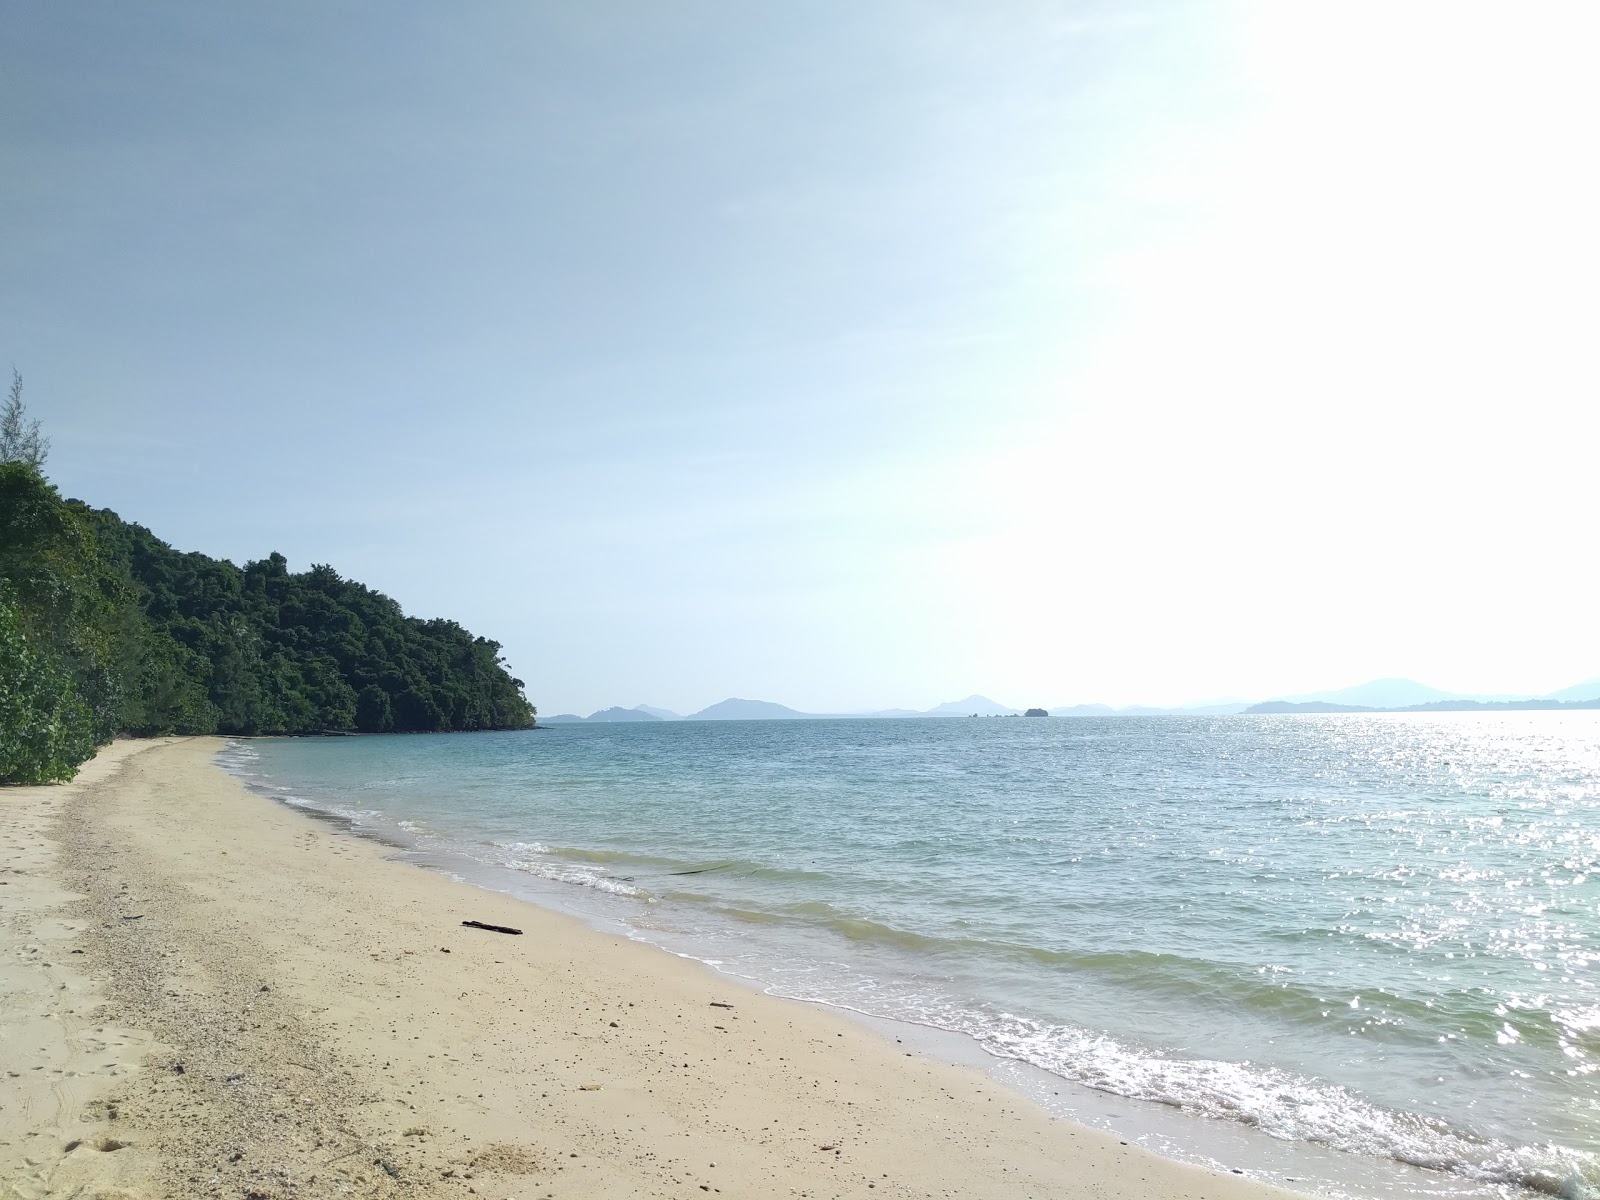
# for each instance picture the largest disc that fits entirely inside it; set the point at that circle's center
(1379, 934)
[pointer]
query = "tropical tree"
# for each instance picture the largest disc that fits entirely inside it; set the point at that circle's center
(45, 729)
(20, 439)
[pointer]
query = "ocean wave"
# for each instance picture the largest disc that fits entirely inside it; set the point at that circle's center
(571, 873)
(1285, 1105)
(236, 758)
(1193, 981)
(1579, 1021)
(741, 868)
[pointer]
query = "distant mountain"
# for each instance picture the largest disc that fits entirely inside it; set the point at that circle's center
(1379, 693)
(605, 716)
(622, 714)
(1500, 705)
(1589, 689)
(1307, 706)
(734, 709)
(1409, 694)
(1199, 710)
(981, 705)
(1433, 706)
(1140, 710)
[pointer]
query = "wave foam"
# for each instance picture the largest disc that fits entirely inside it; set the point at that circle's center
(583, 877)
(1287, 1106)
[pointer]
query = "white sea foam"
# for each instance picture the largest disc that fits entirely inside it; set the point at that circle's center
(1579, 1020)
(579, 875)
(237, 759)
(1282, 1104)
(530, 858)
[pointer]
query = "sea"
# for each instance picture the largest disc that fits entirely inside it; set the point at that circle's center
(1355, 954)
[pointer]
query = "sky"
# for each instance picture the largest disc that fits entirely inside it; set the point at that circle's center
(848, 356)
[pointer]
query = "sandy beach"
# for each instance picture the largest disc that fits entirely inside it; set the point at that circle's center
(203, 993)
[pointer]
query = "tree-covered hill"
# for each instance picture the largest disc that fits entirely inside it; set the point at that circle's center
(281, 652)
(105, 629)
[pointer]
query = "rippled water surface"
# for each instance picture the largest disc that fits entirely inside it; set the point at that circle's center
(1376, 933)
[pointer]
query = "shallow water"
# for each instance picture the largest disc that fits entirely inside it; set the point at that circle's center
(1379, 934)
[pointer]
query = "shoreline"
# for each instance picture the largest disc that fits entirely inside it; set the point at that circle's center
(266, 1008)
(1218, 1146)
(773, 960)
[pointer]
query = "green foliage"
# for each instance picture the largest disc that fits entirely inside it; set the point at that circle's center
(107, 629)
(374, 713)
(279, 652)
(71, 605)
(20, 439)
(311, 652)
(45, 729)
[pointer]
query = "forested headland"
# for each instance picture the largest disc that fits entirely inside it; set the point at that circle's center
(106, 630)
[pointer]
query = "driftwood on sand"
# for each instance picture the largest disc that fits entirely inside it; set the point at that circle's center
(492, 928)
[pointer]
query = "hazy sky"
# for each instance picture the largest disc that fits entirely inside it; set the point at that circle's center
(847, 355)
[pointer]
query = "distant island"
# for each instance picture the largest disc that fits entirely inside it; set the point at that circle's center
(736, 709)
(732, 709)
(1407, 695)
(614, 713)
(106, 630)
(1382, 695)
(1324, 706)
